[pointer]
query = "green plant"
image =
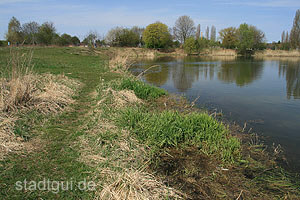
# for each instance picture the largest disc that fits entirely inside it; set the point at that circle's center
(141, 89)
(190, 45)
(172, 129)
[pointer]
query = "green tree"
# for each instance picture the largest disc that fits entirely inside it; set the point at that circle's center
(229, 37)
(129, 38)
(47, 33)
(295, 32)
(157, 35)
(64, 40)
(75, 40)
(125, 37)
(250, 39)
(139, 31)
(246, 38)
(259, 38)
(14, 34)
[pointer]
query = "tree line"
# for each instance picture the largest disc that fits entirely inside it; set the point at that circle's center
(32, 33)
(290, 40)
(245, 38)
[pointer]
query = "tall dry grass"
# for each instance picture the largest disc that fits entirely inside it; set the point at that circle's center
(22, 90)
(16, 81)
(277, 53)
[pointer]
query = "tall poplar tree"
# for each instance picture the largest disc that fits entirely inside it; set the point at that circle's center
(213, 34)
(295, 32)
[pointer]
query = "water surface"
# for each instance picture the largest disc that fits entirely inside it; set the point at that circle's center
(263, 93)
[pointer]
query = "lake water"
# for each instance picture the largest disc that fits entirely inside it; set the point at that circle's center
(263, 93)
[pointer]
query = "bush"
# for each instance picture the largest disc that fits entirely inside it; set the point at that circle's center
(171, 129)
(141, 89)
(3, 43)
(195, 46)
(190, 46)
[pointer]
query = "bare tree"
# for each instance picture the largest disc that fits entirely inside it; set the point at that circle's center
(30, 31)
(283, 37)
(198, 32)
(207, 33)
(184, 28)
(213, 34)
(295, 32)
(287, 37)
(112, 36)
(91, 38)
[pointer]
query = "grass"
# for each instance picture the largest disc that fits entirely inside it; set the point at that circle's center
(173, 129)
(141, 89)
(57, 154)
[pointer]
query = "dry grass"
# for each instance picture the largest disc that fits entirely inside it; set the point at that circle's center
(221, 52)
(122, 98)
(119, 62)
(22, 90)
(136, 185)
(277, 53)
(123, 58)
(45, 93)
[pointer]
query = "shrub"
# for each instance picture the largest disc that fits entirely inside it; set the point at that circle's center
(3, 43)
(190, 45)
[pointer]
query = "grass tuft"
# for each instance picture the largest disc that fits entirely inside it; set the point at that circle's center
(172, 129)
(135, 184)
(141, 89)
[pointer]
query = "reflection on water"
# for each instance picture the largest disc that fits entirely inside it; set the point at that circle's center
(265, 91)
(240, 73)
(291, 71)
(185, 71)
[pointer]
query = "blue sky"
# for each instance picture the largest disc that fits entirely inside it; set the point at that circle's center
(79, 17)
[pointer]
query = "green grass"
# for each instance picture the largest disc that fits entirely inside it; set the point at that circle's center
(57, 154)
(141, 89)
(26, 123)
(173, 129)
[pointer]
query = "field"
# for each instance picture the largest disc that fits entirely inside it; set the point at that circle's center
(128, 139)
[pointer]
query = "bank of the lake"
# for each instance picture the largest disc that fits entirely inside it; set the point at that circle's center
(261, 93)
(135, 141)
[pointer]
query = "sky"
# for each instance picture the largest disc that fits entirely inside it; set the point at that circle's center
(78, 17)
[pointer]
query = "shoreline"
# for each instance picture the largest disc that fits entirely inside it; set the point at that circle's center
(211, 52)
